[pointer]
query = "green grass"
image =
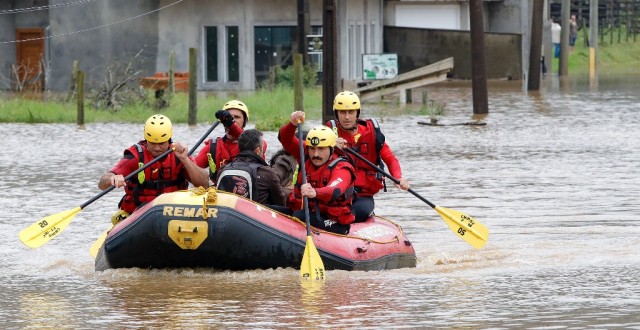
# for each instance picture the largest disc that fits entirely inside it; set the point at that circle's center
(613, 58)
(269, 109)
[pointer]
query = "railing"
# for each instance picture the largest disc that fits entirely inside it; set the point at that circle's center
(423, 76)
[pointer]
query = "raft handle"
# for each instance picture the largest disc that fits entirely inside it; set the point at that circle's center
(194, 230)
(362, 249)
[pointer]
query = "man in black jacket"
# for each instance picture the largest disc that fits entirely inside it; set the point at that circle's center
(249, 175)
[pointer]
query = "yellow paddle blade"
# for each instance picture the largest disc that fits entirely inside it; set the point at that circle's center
(95, 247)
(466, 227)
(312, 266)
(47, 228)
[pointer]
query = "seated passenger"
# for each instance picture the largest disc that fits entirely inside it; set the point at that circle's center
(248, 175)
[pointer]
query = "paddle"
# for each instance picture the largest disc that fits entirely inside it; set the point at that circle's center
(50, 226)
(95, 247)
(311, 262)
(460, 223)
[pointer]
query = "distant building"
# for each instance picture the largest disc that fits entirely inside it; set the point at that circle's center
(237, 41)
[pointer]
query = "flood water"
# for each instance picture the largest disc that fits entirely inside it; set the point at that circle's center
(554, 176)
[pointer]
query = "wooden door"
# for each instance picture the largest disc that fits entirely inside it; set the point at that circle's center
(29, 70)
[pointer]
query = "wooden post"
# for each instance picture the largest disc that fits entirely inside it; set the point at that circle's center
(563, 67)
(73, 81)
(535, 48)
(329, 58)
(172, 81)
(193, 99)
(80, 98)
(593, 44)
(304, 27)
(298, 98)
(478, 63)
(272, 77)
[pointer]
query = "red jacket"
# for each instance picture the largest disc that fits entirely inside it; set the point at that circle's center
(225, 151)
(368, 180)
(333, 182)
(163, 176)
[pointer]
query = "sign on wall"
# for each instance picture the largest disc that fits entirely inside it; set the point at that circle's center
(379, 66)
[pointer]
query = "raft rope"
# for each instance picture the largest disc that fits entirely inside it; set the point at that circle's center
(210, 197)
(393, 240)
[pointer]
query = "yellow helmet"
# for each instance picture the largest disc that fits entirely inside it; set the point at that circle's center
(235, 104)
(158, 129)
(321, 136)
(346, 101)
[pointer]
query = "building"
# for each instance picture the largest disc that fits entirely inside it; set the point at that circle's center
(238, 41)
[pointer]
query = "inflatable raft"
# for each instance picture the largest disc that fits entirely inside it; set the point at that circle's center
(214, 229)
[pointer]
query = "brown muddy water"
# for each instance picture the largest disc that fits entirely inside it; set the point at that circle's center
(554, 176)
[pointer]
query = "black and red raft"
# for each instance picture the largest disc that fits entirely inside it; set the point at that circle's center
(214, 229)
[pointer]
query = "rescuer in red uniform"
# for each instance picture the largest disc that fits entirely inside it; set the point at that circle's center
(364, 137)
(172, 173)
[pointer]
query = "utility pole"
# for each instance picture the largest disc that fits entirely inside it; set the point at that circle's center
(478, 70)
(301, 58)
(329, 57)
(563, 67)
(304, 26)
(535, 48)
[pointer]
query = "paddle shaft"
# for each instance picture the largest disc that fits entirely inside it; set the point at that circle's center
(144, 167)
(353, 152)
(203, 137)
(303, 170)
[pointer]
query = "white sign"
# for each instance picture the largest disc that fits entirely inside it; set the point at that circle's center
(379, 66)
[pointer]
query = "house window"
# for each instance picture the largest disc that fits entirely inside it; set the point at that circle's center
(211, 44)
(233, 58)
(275, 45)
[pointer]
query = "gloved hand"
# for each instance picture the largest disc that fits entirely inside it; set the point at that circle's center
(225, 117)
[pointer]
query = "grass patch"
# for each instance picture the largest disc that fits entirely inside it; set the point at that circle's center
(613, 58)
(268, 109)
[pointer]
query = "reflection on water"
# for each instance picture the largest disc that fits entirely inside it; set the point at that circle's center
(552, 175)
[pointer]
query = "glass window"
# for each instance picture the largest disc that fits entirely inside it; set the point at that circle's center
(211, 44)
(273, 46)
(233, 58)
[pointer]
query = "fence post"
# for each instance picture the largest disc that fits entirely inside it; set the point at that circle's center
(298, 98)
(80, 97)
(172, 83)
(73, 80)
(193, 106)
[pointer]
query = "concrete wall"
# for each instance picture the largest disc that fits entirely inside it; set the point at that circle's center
(100, 35)
(420, 47)
(360, 31)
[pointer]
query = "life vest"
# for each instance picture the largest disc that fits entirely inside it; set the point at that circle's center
(339, 207)
(220, 153)
(161, 177)
(368, 145)
(238, 177)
